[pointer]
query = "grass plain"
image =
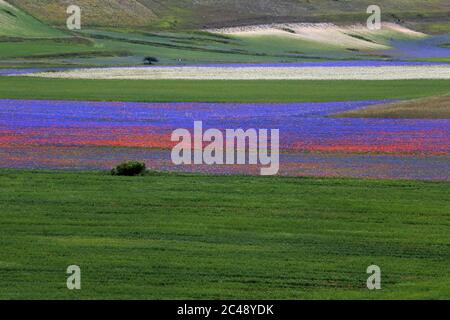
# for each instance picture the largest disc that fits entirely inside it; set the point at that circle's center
(217, 90)
(194, 236)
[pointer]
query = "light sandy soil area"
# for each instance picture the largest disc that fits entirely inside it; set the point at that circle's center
(355, 36)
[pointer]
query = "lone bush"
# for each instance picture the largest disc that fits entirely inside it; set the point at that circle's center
(150, 60)
(129, 168)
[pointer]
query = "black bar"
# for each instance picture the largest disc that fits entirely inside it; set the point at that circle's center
(240, 309)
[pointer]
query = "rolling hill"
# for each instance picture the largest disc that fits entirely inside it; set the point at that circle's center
(112, 13)
(219, 13)
(16, 23)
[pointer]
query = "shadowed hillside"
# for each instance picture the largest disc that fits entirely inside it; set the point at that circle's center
(216, 13)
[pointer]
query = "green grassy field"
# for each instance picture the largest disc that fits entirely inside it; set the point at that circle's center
(438, 59)
(193, 236)
(127, 47)
(201, 47)
(16, 23)
(217, 90)
(50, 48)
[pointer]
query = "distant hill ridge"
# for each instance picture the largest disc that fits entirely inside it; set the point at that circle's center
(222, 13)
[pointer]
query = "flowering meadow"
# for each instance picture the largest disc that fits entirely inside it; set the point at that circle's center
(145, 155)
(365, 70)
(429, 47)
(98, 135)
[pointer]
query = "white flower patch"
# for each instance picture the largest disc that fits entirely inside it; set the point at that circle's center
(257, 73)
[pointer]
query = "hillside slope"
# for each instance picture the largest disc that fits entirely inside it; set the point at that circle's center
(94, 12)
(424, 108)
(16, 23)
(216, 13)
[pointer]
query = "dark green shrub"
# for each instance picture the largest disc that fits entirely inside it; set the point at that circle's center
(129, 168)
(150, 60)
